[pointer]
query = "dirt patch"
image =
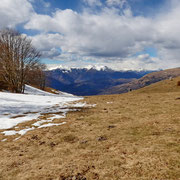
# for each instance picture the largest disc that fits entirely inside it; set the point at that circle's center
(18, 116)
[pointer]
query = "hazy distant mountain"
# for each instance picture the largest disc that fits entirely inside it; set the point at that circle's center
(144, 81)
(89, 81)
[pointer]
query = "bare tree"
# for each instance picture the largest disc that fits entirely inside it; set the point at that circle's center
(36, 76)
(17, 58)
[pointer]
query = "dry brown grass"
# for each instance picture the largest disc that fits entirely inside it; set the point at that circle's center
(18, 116)
(134, 137)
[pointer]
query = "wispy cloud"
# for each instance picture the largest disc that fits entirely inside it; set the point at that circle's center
(93, 3)
(120, 3)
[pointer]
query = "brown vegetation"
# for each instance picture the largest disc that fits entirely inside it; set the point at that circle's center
(133, 136)
(36, 77)
(178, 83)
(18, 60)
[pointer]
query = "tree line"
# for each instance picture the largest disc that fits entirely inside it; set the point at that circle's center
(19, 62)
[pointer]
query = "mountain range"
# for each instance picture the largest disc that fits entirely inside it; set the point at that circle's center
(89, 81)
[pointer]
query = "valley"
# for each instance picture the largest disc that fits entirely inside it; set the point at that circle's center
(86, 82)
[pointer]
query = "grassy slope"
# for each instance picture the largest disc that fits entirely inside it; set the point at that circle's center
(135, 137)
(144, 81)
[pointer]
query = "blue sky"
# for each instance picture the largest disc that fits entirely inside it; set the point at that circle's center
(121, 34)
(139, 7)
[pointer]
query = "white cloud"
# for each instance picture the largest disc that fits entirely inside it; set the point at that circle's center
(108, 36)
(42, 4)
(133, 63)
(120, 3)
(46, 4)
(103, 35)
(48, 44)
(13, 12)
(93, 2)
(168, 40)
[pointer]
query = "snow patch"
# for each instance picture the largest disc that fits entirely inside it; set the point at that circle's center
(18, 108)
(109, 102)
(34, 105)
(21, 132)
(51, 124)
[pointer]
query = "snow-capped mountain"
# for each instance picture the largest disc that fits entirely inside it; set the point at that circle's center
(90, 80)
(66, 68)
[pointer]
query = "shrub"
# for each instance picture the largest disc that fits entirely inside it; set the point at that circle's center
(178, 83)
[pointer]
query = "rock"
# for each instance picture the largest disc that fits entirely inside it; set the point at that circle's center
(52, 144)
(102, 138)
(83, 142)
(111, 126)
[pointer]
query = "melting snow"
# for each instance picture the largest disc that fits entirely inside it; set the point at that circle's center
(21, 132)
(109, 102)
(33, 105)
(51, 124)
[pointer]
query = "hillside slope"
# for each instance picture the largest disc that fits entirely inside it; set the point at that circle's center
(131, 136)
(144, 81)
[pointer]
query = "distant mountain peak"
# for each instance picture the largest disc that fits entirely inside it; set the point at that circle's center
(89, 67)
(97, 67)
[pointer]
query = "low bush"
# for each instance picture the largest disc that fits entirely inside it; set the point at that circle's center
(178, 83)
